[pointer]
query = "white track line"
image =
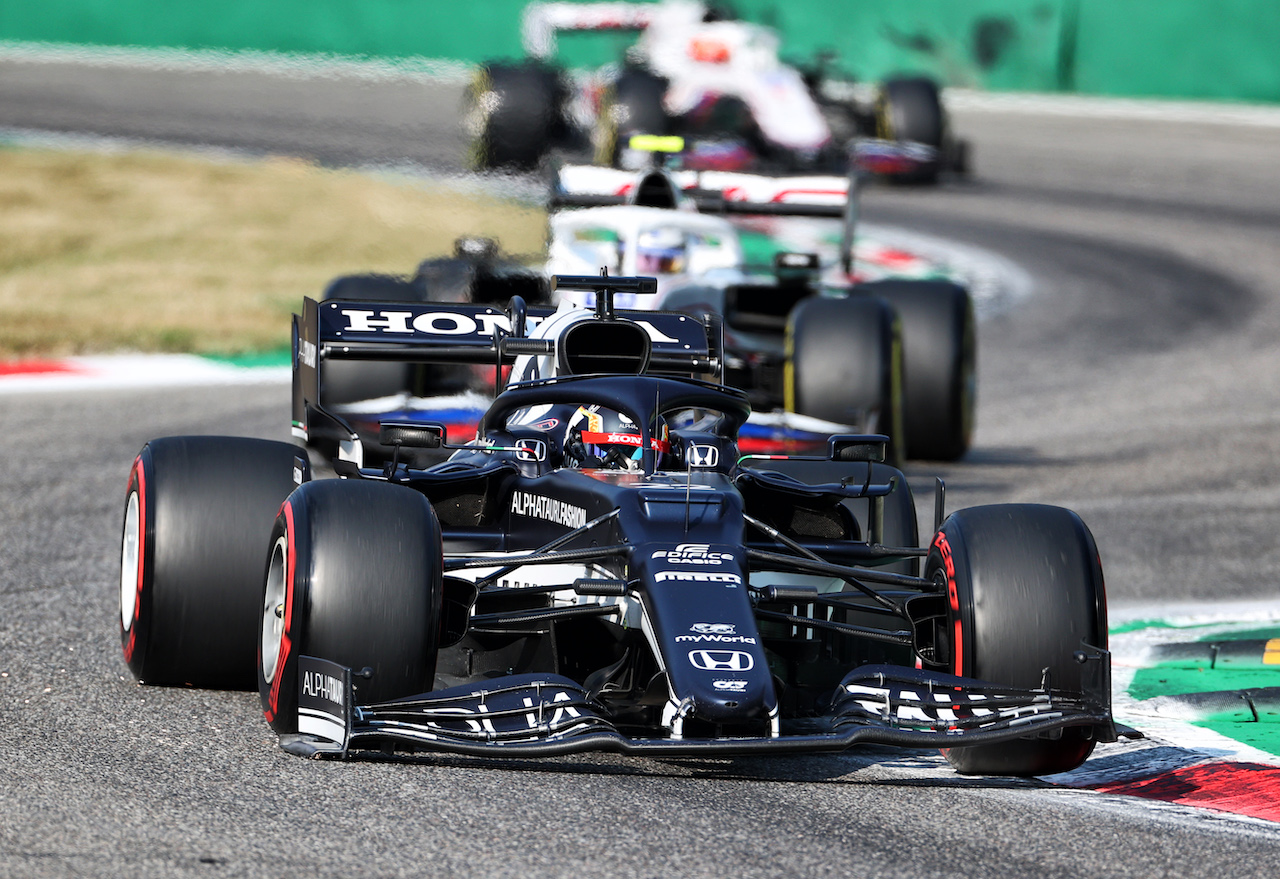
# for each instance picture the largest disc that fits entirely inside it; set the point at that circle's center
(113, 372)
(1096, 107)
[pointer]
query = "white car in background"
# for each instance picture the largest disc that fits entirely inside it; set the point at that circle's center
(895, 356)
(715, 81)
(816, 353)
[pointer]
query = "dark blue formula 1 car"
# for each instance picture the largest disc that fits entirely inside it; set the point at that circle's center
(599, 568)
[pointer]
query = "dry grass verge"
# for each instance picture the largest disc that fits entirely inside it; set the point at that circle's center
(143, 251)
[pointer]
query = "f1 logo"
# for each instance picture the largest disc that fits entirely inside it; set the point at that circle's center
(703, 456)
(721, 660)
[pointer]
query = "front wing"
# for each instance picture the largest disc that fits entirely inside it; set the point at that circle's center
(541, 715)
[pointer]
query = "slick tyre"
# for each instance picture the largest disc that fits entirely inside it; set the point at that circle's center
(197, 527)
(355, 577)
(347, 381)
(910, 109)
(844, 363)
(939, 352)
(513, 113)
(1026, 590)
(633, 106)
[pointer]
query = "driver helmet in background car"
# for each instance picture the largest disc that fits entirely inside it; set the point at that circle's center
(600, 438)
(662, 251)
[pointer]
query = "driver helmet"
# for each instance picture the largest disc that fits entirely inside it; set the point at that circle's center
(600, 438)
(661, 251)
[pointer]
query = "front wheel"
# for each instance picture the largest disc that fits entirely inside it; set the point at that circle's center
(354, 577)
(1025, 590)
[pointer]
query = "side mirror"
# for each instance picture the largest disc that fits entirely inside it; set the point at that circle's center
(858, 447)
(412, 435)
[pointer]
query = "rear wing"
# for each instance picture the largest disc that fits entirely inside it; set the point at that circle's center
(466, 333)
(542, 21)
(724, 192)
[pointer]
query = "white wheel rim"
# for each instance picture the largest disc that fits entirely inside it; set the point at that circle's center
(273, 608)
(129, 569)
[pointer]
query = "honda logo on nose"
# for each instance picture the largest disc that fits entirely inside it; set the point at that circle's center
(721, 660)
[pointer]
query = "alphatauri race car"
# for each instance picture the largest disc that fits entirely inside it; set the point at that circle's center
(717, 82)
(600, 568)
(816, 353)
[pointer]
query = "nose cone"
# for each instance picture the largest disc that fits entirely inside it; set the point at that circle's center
(729, 695)
(698, 606)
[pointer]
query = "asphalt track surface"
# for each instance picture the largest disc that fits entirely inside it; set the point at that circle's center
(1138, 385)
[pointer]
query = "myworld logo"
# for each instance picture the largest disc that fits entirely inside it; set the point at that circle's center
(714, 633)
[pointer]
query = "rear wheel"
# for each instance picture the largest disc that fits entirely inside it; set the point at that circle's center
(910, 109)
(1026, 590)
(844, 364)
(197, 527)
(513, 114)
(633, 106)
(348, 381)
(354, 577)
(939, 345)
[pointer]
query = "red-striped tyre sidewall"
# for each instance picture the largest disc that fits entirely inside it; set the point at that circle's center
(1024, 588)
(277, 685)
(354, 576)
(197, 513)
(135, 564)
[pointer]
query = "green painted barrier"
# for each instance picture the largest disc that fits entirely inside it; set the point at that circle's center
(467, 30)
(991, 44)
(1180, 48)
(1174, 48)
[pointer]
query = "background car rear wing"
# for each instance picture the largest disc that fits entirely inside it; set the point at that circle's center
(462, 333)
(541, 21)
(727, 192)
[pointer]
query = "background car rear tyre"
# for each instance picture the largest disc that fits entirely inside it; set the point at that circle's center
(513, 113)
(197, 527)
(939, 349)
(354, 577)
(910, 108)
(1026, 589)
(844, 359)
(632, 106)
(348, 381)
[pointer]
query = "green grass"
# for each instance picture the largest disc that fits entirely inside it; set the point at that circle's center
(156, 252)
